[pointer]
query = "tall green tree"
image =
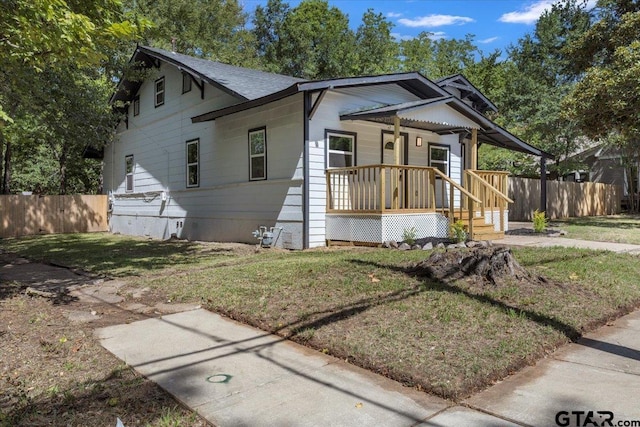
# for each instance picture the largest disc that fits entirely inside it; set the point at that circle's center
(541, 78)
(605, 102)
(311, 41)
(437, 58)
(377, 52)
(418, 54)
(212, 29)
(267, 29)
(45, 38)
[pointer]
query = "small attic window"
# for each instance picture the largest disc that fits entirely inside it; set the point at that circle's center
(136, 105)
(186, 83)
(159, 93)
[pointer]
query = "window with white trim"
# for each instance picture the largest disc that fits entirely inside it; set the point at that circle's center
(159, 92)
(193, 163)
(258, 154)
(186, 83)
(129, 169)
(341, 147)
(439, 157)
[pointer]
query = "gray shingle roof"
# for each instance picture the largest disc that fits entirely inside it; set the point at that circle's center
(247, 83)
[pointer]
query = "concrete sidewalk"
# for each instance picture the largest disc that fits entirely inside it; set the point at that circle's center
(543, 241)
(234, 375)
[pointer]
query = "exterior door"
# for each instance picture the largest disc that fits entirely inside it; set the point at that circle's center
(392, 175)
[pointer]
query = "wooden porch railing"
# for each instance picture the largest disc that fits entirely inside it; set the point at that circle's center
(396, 189)
(491, 188)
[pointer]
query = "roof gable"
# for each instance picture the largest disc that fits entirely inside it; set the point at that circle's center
(242, 83)
(467, 92)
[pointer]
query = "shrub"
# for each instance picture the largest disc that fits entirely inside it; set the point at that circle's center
(539, 221)
(409, 235)
(457, 231)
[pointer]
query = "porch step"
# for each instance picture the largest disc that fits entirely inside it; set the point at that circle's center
(487, 235)
(481, 230)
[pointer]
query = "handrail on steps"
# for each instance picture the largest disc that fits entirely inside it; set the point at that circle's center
(489, 186)
(457, 186)
(471, 197)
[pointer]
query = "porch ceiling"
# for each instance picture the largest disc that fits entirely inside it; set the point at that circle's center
(433, 115)
(444, 115)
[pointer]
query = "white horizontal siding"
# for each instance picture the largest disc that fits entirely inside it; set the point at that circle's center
(230, 212)
(369, 142)
(157, 140)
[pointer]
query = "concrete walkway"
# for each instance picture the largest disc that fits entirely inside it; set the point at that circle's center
(235, 375)
(543, 241)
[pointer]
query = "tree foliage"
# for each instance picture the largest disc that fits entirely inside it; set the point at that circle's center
(212, 29)
(438, 58)
(377, 52)
(605, 103)
(539, 80)
(54, 55)
(311, 41)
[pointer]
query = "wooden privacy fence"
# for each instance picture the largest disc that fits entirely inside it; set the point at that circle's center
(564, 199)
(25, 215)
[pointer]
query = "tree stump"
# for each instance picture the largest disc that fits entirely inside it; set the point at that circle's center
(494, 265)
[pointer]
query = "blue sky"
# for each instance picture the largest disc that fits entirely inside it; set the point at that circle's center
(495, 23)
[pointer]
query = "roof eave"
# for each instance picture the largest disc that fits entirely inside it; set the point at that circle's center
(236, 108)
(181, 66)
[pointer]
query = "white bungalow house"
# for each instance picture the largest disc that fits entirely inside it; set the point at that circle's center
(208, 151)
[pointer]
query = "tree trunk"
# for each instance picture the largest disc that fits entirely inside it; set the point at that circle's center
(62, 162)
(6, 178)
(1, 152)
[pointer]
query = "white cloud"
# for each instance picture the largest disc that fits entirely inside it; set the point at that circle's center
(437, 35)
(489, 40)
(394, 15)
(399, 36)
(529, 15)
(432, 21)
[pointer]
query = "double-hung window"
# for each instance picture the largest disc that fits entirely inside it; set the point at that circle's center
(439, 157)
(159, 92)
(186, 83)
(193, 163)
(136, 105)
(258, 154)
(129, 169)
(341, 149)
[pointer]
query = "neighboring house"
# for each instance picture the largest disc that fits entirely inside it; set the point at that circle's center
(600, 163)
(208, 151)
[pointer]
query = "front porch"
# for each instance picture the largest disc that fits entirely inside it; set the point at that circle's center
(374, 203)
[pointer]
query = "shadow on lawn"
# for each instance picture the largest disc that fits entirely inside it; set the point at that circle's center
(443, 286)
(623, 222)
(122, 394)
(102, 255)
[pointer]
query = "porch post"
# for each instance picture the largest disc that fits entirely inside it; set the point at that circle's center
(543, 184)
(474, 149)
(396, 140)
(396, 161)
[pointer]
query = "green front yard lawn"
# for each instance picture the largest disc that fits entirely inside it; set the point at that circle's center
(362, 305)
(614, 228)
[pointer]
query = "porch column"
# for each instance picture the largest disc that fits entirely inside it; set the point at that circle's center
(396, 140)
(395, 175)
(474, 149)
(543, 184)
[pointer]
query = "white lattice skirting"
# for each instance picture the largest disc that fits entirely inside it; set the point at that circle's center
(379, 228)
